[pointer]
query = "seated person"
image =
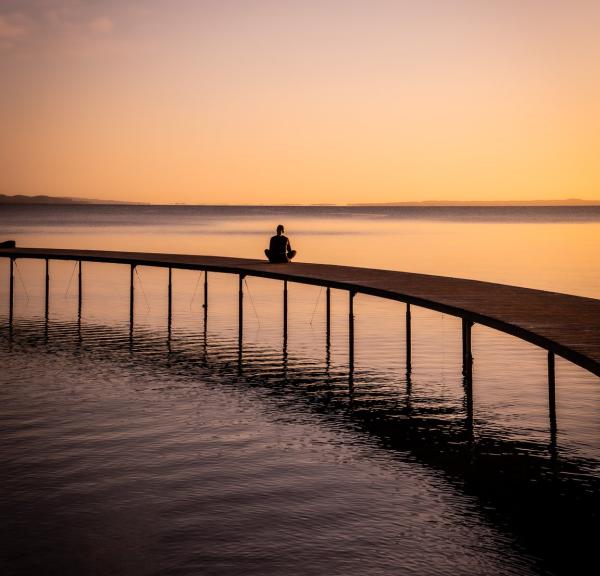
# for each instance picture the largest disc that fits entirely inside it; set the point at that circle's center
(279, 249)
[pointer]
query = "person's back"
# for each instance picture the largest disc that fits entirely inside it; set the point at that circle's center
(279, 250)
(279, 244)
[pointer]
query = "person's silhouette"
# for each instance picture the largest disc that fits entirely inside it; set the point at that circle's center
(279, 249)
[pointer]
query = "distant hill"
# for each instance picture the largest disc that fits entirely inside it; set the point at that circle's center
(22, 199)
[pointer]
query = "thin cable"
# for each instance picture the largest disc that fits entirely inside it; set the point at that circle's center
(252, 301)
(316, 304)
(196, 289)
(70, 280)
(142, 287)
(21, 280)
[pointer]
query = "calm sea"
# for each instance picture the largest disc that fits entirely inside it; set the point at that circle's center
(149, 452)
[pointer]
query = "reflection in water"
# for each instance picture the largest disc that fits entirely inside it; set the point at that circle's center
(543, 503)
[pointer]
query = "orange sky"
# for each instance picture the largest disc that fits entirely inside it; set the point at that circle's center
(275, 101)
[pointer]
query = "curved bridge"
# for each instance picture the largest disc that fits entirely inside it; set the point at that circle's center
(562, 324)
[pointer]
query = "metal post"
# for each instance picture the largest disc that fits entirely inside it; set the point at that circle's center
(79, 291)
(285, 358)
(351, 349)
(351, 331)
(285, 312)
(205, 305)
(240, 317)
(464, 349)
(205, 308)
(467, 355)
(467, 370)
(131, 295)
(328, 316)
(11, 295)
(47, 306)
(552, 397)
(170, 298)
(408, 341)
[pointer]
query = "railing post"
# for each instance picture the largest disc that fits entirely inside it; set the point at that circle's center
(11, 292)
(351, 331)
(47, 304)
(408, 341)
(79, 291)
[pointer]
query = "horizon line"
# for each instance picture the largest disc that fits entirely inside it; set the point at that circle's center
(45, 199)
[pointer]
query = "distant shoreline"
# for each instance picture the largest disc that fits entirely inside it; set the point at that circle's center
(42, 199)
(58, 200)
(477, 203)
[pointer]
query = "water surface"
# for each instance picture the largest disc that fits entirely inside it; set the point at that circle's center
(144, 451)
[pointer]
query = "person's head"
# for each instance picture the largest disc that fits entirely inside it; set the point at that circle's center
(279, 229)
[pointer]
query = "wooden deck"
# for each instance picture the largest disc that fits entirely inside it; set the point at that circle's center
(566, 325)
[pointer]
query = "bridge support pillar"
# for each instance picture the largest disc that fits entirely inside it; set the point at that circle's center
(466, 349)
(285, 330)
(131, 294)
(79, 290)
(408, 341)
(11, 292)
(240, 318)
(285, 313)
(328, 318)
(170, 302)
(47, 301)
(351, 332)
(467, 370)
(552, 397)
(205, 305)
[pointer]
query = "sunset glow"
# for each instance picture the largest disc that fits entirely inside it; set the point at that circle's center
(232, 101)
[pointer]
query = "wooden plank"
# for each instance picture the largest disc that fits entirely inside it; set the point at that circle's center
(566, 325)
